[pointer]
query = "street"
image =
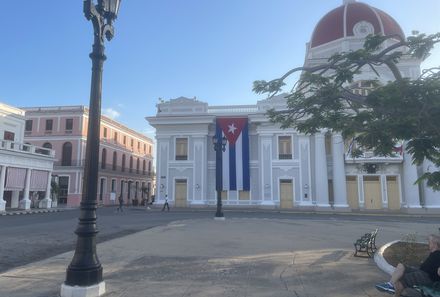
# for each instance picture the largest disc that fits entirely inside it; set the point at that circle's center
(29, 238)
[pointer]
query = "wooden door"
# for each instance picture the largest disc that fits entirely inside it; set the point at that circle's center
(393, 193)
(286, 193)
(372, 192)
(180, 195)
(352, 192)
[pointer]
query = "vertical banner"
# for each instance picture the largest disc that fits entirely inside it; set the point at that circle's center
(232, 165)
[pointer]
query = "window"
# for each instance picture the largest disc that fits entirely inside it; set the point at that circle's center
(139, 145)
(105, 133)
(132, 142)
(113, 185)
(115, 137)
(145, 148)
(103, 158)
(149, 149)
(69, 124)
(181, 148)
(144, 166)
(28, 127)
(123, 163)
(138, 165)
(125, 140)
(49, 125)
(284, 147)
(9, 136)
(149, 166)
(115, 160)
(66, 159)
(131, 163)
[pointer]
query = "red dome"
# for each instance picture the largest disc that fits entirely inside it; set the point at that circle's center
(353, 19)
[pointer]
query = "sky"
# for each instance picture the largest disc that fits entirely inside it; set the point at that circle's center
(212, 50)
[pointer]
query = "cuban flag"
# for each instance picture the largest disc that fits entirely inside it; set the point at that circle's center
(232, 165)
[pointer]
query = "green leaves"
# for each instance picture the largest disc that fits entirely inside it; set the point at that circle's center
(376, 116)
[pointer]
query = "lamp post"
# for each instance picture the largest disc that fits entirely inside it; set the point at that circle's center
(84, 274)
(219, 147)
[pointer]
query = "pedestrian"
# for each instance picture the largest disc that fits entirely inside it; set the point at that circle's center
(166, 204)
(121, 202)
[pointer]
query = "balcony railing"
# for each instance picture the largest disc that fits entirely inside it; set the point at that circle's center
(26, 148)
(108, 168)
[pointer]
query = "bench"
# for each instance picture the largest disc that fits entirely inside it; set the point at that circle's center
(429, 291)
(366, 244)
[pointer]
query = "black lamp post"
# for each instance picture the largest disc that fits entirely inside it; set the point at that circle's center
(85, 270)
(219, 147)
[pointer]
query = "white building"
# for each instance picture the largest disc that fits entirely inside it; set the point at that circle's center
(284, 168)
(25, 170)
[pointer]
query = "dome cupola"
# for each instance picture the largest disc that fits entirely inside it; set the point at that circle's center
(353, 19)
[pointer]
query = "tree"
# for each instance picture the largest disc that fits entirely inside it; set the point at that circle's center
(402, 109)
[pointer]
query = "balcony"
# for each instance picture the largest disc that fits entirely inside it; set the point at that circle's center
(369, 157)
(28, 149)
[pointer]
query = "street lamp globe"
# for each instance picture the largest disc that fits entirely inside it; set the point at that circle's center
(110, 7)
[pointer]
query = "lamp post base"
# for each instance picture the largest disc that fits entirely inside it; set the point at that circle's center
(219, 218)
(76, 291)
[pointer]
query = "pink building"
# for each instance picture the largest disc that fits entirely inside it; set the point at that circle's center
(125, 159)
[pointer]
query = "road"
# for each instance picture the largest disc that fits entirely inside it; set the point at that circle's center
(29, 238)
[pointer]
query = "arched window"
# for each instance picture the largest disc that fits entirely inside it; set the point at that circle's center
(149, 167)
(66, 156)
(103, 158)
(131, 163)
(138, 163)
(123, 163)
(47, 145)
(144, 166)
(115, 160)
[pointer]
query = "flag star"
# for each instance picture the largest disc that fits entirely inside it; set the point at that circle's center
(232, 128)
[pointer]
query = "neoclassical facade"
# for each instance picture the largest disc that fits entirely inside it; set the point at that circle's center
(125, 159)
(288, 169)
(25, 169)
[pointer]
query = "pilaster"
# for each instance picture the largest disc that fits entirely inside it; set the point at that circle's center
(321, 177)
(339, 183)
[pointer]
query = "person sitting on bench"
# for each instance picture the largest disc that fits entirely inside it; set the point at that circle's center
(406, 277)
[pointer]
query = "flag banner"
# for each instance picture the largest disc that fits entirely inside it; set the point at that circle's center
(232, 165)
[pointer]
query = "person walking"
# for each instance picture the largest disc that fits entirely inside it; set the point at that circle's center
(121, 203)
(166, 204)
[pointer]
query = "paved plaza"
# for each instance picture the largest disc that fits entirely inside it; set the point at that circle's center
(234, 258)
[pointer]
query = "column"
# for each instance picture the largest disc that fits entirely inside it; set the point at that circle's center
(322, 197)
(47, 202)
(339, 183)
(2, 187)
(25, 203)
(432, 198)
(410, 190)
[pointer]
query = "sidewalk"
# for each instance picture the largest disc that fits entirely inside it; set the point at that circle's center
(232, 258)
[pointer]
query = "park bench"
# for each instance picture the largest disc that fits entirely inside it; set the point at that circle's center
(429, 291)
(366, 244)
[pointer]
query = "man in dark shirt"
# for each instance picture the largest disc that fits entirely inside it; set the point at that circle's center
(406, 276)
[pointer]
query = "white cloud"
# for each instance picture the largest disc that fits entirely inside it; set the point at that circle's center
(111, 113)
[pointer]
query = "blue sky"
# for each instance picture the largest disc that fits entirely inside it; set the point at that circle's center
(213, 50)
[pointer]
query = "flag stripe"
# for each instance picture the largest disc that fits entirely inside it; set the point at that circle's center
(245, 158)
(232, 168)
(218, 165)
(238, 162)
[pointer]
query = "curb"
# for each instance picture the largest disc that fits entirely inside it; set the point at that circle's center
(26, 212)
(380, 260)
